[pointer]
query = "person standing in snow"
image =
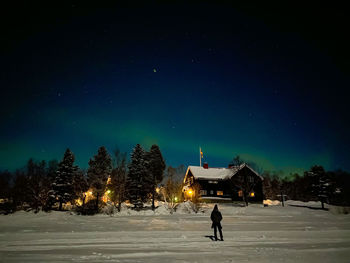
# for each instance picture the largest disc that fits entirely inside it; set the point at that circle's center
(216, 217)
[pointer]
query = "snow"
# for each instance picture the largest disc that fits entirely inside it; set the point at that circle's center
(271, 202)
(211, 173)
(217, 173)
(298, 232)
(216, 198)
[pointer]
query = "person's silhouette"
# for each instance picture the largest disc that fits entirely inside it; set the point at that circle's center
(216, 217)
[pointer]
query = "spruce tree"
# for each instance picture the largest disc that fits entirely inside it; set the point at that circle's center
(62, 187)
(137, 181)
(156, 167)
(100, 168)
(320, 184)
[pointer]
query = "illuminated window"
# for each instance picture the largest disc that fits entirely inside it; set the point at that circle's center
(203, 192)
(240, 193)
(212, 182)
(219, 192)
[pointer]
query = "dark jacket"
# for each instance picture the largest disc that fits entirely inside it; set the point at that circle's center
(216, 217)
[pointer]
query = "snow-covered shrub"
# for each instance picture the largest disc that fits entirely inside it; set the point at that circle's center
(196, 206)
(108, 209)
(269, 202)
(189, 207)
(162, 209)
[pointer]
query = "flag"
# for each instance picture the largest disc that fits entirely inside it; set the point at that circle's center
(201, 153)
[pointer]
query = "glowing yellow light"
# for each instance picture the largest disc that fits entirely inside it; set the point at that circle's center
(79, 201)
(175, 199)
(108, 191)
(190, 192)
(109, 180)
(90, 193)
(157, 190)
(252, 194)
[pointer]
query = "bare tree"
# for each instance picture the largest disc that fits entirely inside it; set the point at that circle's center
(172, 192)
(80, 186)
(38, 185)
(118, 178)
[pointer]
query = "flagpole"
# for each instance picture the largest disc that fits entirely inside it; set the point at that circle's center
(200, 157)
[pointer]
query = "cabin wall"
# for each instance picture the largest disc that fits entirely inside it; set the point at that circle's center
(214, 188)
(257, 189)
(226, 188)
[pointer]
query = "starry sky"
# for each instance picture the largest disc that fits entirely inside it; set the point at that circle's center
(267, 82)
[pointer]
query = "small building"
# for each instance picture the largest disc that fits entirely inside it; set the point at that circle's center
(223, 183)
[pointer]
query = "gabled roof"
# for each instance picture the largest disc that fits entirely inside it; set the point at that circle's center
(216, 173)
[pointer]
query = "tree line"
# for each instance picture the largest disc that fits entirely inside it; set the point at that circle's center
(50, 185)
(46, 186)
(317, 184)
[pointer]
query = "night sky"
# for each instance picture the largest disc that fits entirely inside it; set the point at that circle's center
(270, 83)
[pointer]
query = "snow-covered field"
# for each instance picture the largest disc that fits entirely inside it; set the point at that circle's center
(252, 234)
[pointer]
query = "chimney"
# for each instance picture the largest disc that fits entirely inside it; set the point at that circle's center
(205, 165)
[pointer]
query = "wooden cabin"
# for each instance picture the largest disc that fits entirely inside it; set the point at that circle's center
(223, 183)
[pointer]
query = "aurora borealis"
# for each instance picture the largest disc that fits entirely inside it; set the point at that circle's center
(269, 84)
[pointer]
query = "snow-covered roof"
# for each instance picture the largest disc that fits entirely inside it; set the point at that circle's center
(216, 173)
(210, 173)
